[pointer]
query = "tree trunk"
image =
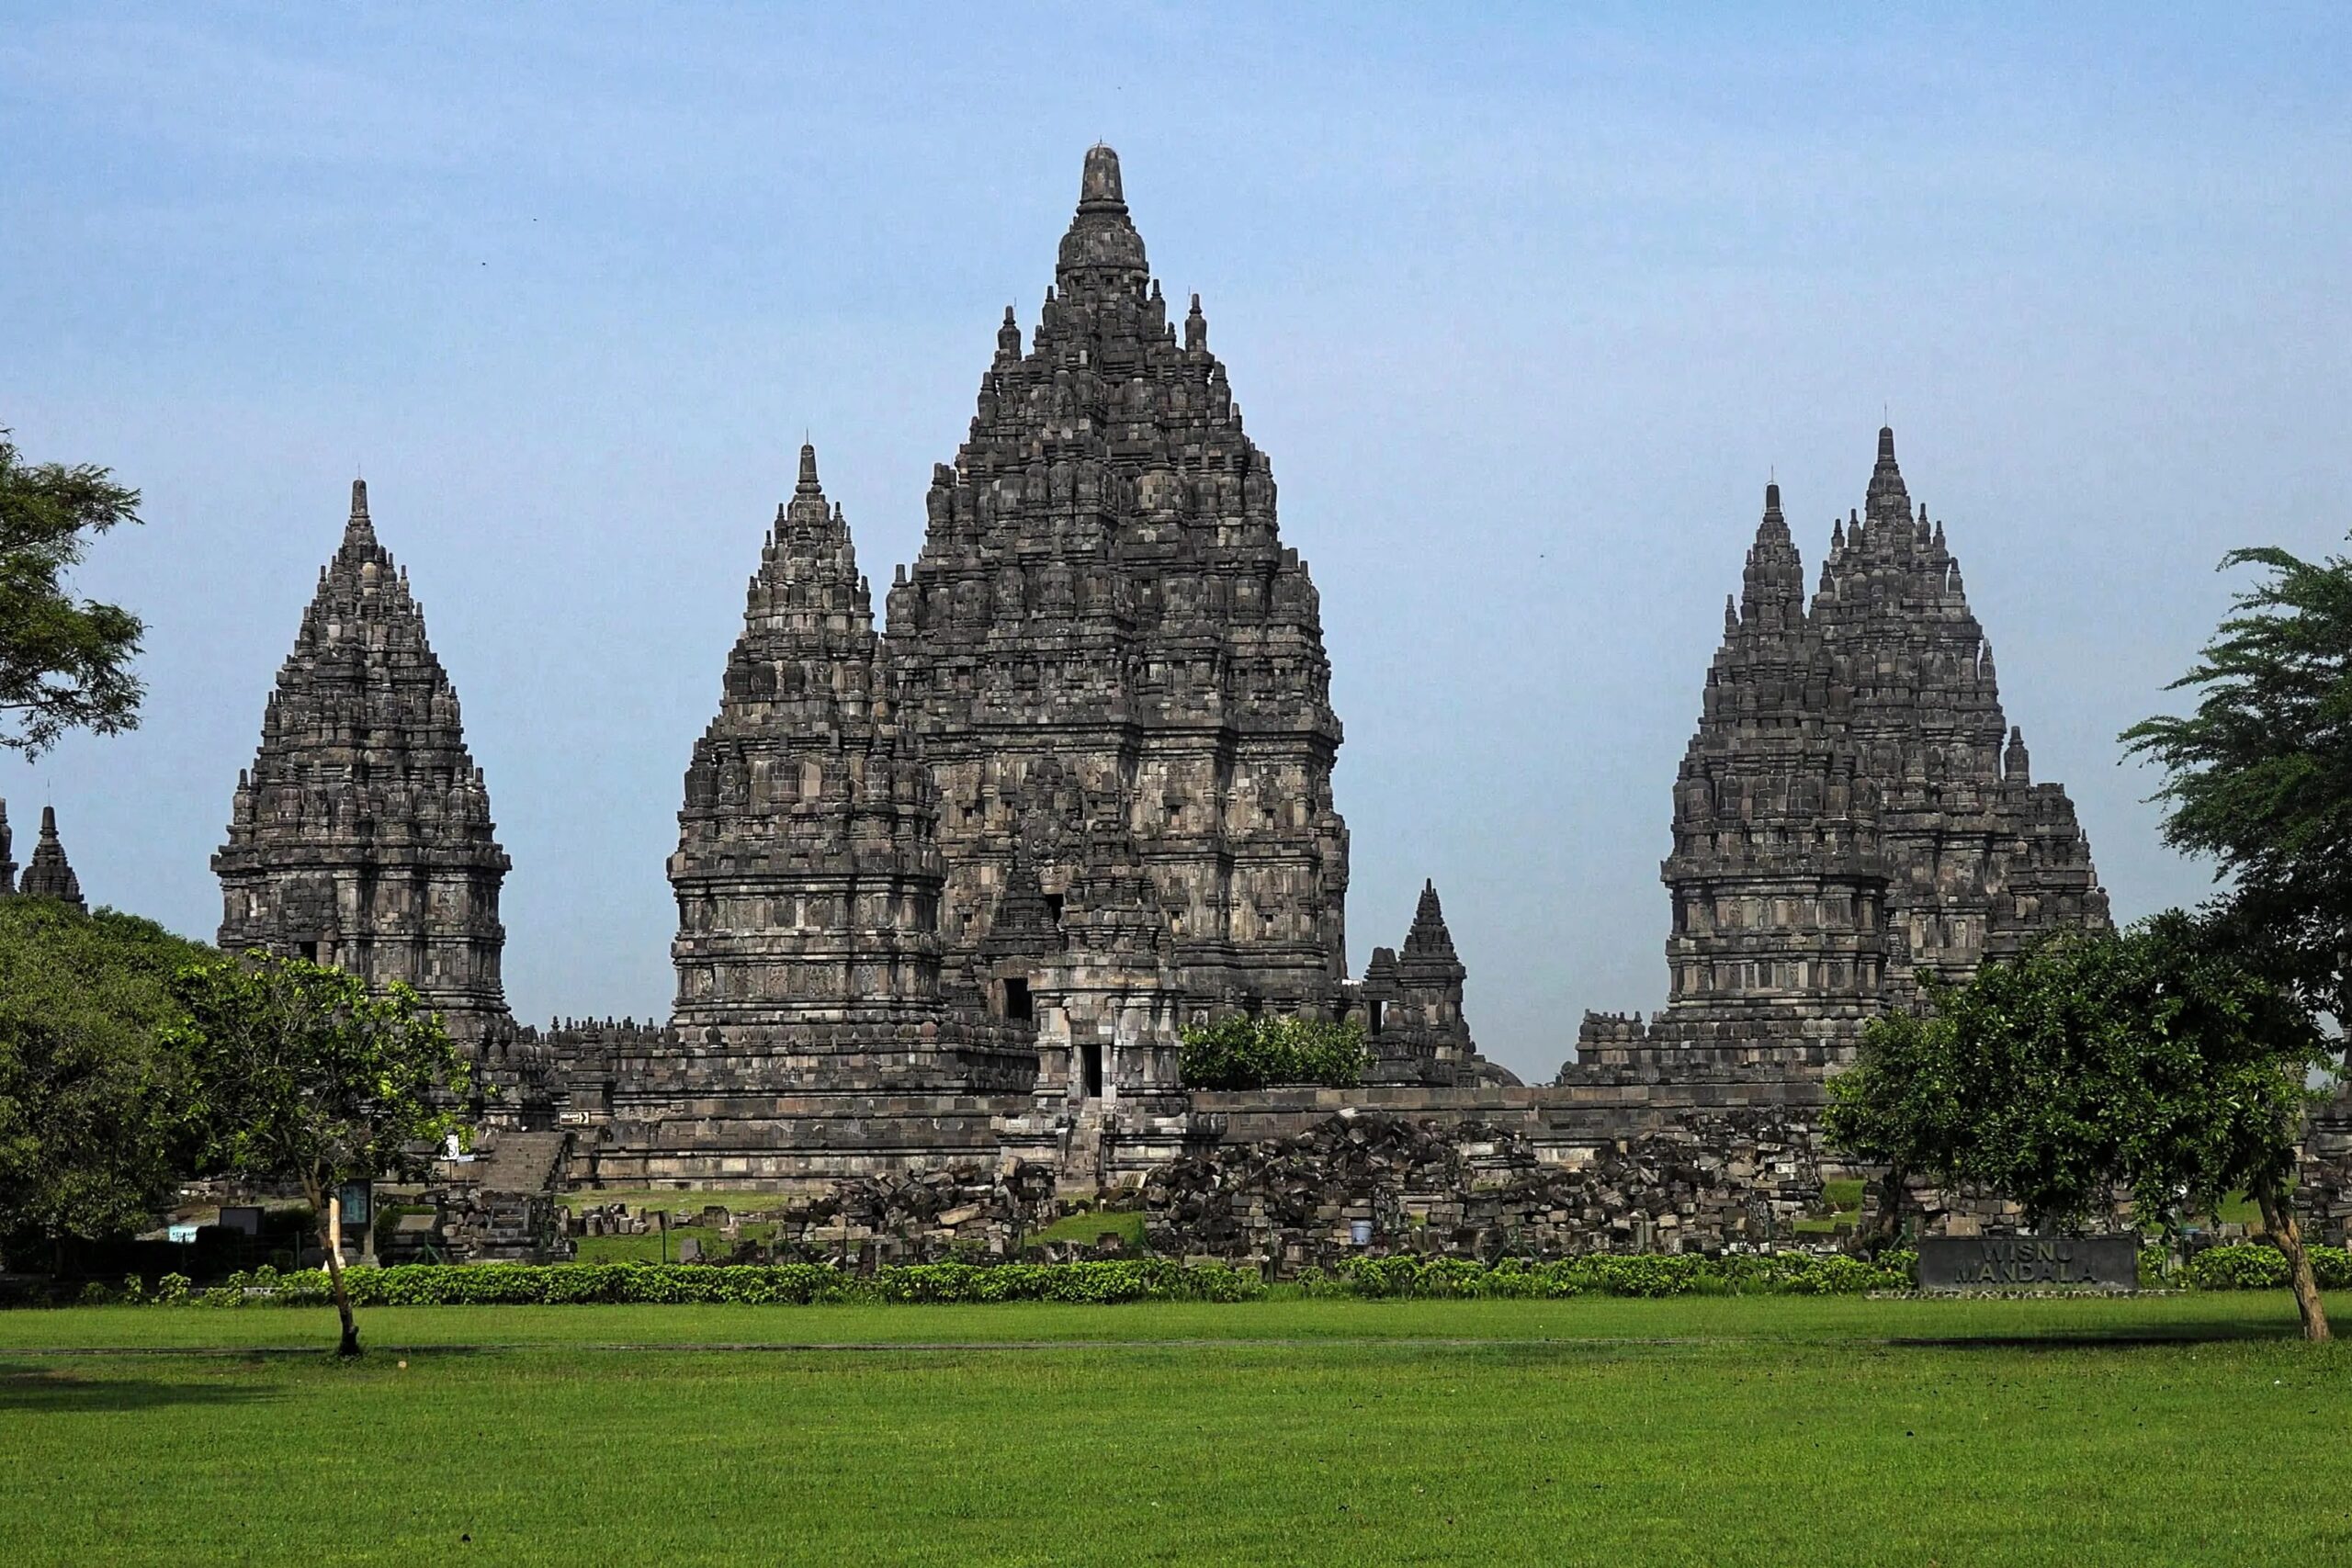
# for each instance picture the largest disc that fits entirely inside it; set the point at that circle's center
(1886, 1228)
(329, 1207)
(2278, 1219)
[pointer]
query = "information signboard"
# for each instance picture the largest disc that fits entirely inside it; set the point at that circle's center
(2009, 1262)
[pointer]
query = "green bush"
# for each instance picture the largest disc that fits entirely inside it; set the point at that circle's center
(1253, 1053)
(781, 1284)
(1612, 1274)
(2255, 1266)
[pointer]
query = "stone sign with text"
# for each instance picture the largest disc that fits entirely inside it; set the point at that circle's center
(2021, 1262)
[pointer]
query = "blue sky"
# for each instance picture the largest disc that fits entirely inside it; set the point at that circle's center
(1525, 305)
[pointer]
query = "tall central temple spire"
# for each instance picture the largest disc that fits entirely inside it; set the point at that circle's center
(1103, 585)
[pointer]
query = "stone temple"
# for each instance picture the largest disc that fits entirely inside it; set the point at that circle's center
(361, 835)
(1854, 814)
(48, 875)
(951, 888)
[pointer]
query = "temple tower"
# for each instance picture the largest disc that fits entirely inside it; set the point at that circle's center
(808, 870)
(48, 875)
(811, 1036)
(1853, 814)
(1102, 587)
(1429, 977)
(1410, 1002)
(1777, 875)
(1981, 859)
(7, 861)
(361, 836)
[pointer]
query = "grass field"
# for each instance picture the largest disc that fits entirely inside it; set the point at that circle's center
(1704, 1430)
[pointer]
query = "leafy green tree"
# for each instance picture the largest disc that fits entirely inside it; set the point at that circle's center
(299, 1072)
(65, 662)
(1252, 1053)
(2259, 777)
(92, 1099)
(1893, 1110)
(2156, 1058)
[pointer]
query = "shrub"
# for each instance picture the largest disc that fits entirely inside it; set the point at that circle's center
(172, 1289)
(781, 1284)
(2255, 1266)
(1252, 1053)
(1644, 1274)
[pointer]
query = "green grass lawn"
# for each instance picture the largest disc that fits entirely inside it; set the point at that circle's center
(650, 1247)
(1126, 1225)
(2181, 1429)
(741, 1199)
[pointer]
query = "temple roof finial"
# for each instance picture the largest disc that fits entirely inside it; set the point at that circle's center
(1097, 186)
(1101, 250)
(807, 485)
(1887, 500)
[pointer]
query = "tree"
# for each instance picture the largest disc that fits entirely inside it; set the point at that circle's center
(65, 662)
(1891, 1109)
(2158, 1059)
(299, 1072)
(1251, 1052)
(92, 1101)
(2259, 777)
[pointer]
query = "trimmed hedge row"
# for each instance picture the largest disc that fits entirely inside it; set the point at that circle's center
(1614, 1274)
(2240, 1266)
(782, 1284)
(2257, 1265)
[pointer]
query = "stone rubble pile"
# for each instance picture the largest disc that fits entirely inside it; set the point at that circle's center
(953, 1207)
(608, 1219)
(1364, 1184)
